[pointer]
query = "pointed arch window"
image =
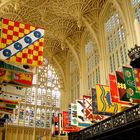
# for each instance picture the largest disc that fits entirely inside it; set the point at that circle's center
(92, 59)
(115, 40)
(40, 100)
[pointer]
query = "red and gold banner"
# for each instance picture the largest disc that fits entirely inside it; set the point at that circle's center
(22, 78)
(55, 119)
(6, 110)
(2, 72)
(7, 101)
(137, 78)
(65, 121)
(71, 129)
(98, 118)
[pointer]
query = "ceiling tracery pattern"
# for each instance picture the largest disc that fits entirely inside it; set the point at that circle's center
(62, 20)
(52, 47)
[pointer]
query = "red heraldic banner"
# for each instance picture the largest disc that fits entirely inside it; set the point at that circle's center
(65, 120)
(114, 91)
(98, 118)
(71, 129)
(137, 78)
(2, 72)
(22, 78)
(87, 100)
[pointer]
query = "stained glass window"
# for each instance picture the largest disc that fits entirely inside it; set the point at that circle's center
(40, 99)
(136, 5)
(115, 39)
(92, 59)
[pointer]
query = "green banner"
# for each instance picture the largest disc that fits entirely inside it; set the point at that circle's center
(130, 83)
(10, 67)
(10, 106)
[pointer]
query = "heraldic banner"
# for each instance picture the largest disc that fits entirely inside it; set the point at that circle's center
(21, 43)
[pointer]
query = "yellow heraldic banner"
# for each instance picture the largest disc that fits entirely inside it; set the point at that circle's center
(104, 101)
(21, 43)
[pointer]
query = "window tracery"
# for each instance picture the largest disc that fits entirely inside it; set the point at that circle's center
(40, 100)
(115, 40)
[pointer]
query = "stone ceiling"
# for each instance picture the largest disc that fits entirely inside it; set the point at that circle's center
(62, 20)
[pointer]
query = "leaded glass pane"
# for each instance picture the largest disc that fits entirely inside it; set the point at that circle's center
(136, 6)
(27, 116)
(114, 62)
(125, 53)
(134, 2)
(111, 67)
(115, 39)
(122, 57)
(118, 62)
(48, 118)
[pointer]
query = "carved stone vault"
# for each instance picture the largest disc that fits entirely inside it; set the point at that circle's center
(62, 20)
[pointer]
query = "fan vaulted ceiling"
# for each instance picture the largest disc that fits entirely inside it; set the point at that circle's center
(62, 20)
